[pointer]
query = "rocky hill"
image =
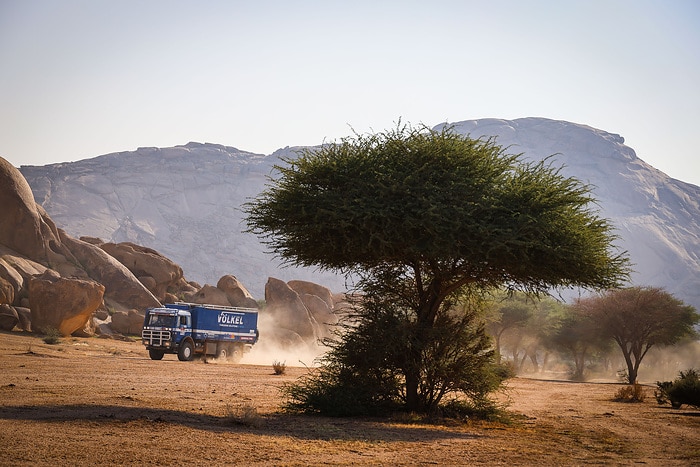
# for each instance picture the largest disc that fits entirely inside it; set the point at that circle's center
(185, 202)
(52, 282)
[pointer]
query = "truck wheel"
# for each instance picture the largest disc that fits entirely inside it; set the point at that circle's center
(222, 353)
(156, 354)
(185, 352)
(236, 354)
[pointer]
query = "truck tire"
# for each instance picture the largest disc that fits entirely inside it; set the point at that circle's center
(222, 352)
(186, 351)
(236, 353)
(156, 354)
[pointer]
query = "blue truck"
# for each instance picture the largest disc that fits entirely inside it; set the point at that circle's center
(189, 329)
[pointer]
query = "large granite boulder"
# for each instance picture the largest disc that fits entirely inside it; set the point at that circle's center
(310, 288)
(127, 322)
(123, 291)
(17, 271)
(21, 226)
(321, 313)
(289, 312)
(210, 295)
(155, 270)
(32, 245)
(25, 318)
(7, 292)
(61, 303)
(8, 317)
(236, 292)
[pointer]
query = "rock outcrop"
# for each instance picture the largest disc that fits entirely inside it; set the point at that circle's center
(127, 322)
(61, 279)
(61, 303)
(184, 201)
(8, 317)
(159, 274)
(236, 292)
(123, 291)
(288, 311)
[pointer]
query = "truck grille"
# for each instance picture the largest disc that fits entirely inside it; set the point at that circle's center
(155, 338)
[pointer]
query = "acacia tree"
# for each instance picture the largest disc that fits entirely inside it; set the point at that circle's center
(577, 335)
(509, 314)
(639, 318)
(436, 213)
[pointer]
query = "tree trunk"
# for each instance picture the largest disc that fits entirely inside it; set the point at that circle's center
(631, 369)
(412, 404)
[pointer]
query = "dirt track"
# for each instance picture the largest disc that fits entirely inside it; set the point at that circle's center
(104, 402)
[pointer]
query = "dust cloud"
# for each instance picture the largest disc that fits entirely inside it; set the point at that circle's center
(278, 344)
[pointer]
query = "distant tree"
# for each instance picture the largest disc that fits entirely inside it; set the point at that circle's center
(432, 214)
(521, 323)
(578, 335)
(509, 313)
(639, 318)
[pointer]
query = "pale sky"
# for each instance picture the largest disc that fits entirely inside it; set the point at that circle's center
(80, 79)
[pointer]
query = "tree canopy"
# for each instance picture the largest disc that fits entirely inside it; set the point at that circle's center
(424, 216)
(639, 318)
(435, 201)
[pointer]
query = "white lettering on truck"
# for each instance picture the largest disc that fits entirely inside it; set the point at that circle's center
(231, 319)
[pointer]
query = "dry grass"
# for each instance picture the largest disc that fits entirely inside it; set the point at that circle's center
(279, 367)
(631, 393)
(89, 405)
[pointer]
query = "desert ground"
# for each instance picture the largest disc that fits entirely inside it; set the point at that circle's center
(96, 401)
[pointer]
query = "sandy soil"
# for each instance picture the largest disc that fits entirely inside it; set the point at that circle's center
(104, 402)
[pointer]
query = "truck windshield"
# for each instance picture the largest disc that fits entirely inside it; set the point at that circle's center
(167, 321)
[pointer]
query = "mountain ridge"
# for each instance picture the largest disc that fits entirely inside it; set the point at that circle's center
(185, 202)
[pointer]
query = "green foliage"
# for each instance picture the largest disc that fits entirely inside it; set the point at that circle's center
(639, 318)
(683, 390)
(578, 336)
(365, 371)
(423, 216)
(51, 335)
(418, 196)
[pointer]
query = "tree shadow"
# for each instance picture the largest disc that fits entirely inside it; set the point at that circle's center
(305, 427)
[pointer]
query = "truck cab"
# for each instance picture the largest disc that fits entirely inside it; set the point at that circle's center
(164, 330)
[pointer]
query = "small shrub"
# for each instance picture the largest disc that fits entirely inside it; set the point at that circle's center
(279, 367)
(630, 393)
(479, 409)
(51, 336)
(683, 390)
(244, 414)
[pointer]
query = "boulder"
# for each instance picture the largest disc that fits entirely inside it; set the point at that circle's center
(63, 304)
(142, 262)
(321, 312)
(101, 314)
(7, 292)
(25, 318)
(236, 292)
(310, 288)
(92, 240)
(17, 270)
(8, 317)
(150, 283)
(123, 291)
(210, 295)
(281, 339)
(21, 226)
(25, 227)
(289, 311)
(127, 322)
(170, 298)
